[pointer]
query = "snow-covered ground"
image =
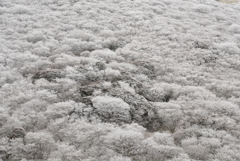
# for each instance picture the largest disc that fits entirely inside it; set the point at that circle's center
(119, 80)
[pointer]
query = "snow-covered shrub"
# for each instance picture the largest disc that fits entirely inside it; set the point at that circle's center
(112, 109)
(18, 132)
(125, 142)
(65, 152)
(106, 33)
(235, 29)
(142, 77)
(223, 108)
(235, 101)
(20, 9)
(61, 109)
(3, 116)
(9, 77)
(38, 145)
(159, 147)
(195, 93)
(237, 39)
(105, 54)
(228, 1)
(220, 16)
(129, 55)
(163, 138)
(229, 48)
(88, 60)
(36, 36)
(86, 91)
(2, 10)
(223, 90)
(146, 68)
(27, 120)
(199, 117)
(228, 153)
(202, 148)
(79, 47)
(4, 148)
(125, 86)
(46, 95)
(113, 43)
(112, 75)
(203, 8)
(182, 157)
(19, 59)
(82, 35)
(74, 74)
(48, 74)
(93, 76)
(17, 151)
(120, 159)
(202, 44)
(42, 51)
(67, 89)
(34, 146)
(171, 116)
(100, 65)
(122, 66)
(106, 85)
(62, 49)
(194, 149)
(162, 92)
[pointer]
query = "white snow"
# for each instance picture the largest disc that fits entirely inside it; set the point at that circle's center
(115, 80)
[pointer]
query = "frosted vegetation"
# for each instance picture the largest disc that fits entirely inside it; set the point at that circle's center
(228, 1)
(119, 80)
